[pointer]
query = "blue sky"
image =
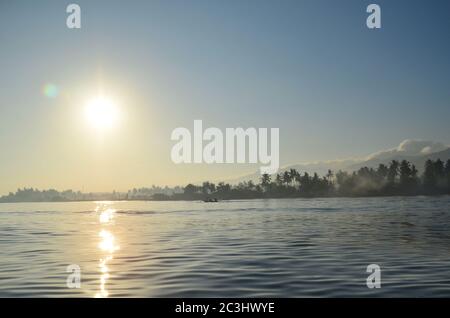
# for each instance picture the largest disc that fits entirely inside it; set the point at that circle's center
(312, 68)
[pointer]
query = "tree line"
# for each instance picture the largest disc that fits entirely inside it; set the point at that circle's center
(395, 178)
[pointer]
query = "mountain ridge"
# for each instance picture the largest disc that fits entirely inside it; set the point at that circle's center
(417, 152)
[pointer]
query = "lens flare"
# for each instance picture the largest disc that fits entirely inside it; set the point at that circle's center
(51, 90)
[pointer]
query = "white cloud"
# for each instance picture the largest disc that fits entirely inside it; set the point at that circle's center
(410, 147)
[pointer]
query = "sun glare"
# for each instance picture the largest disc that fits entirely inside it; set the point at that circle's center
(102, 113)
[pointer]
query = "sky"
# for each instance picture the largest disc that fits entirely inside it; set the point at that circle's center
(335, 88)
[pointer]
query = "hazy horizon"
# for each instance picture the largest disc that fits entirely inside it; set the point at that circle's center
(406, 149)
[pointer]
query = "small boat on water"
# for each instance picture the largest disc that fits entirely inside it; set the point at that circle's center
(210, 200)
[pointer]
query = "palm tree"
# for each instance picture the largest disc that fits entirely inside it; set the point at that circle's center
(429, 177)
(265, 181)
(279, 180)
(330, 176)
(447, 174)
(405, 173)
(393, 171)
(287, 178)
(294, 175)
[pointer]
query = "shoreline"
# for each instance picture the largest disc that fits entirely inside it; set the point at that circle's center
(395, 179)
(238, 199)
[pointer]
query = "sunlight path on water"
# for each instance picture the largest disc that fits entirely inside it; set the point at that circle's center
(107, 245)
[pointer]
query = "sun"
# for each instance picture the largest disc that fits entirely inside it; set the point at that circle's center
(102, 113)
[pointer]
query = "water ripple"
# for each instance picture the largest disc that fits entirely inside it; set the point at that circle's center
(249, 248)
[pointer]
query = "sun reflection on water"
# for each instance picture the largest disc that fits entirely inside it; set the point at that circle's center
(107, 242)
(107, 215)
(103, 277)
(107, 246)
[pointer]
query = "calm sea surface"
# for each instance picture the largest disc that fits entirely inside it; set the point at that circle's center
(257, 248)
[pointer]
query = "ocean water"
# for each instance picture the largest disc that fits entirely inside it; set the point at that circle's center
(255, 248)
